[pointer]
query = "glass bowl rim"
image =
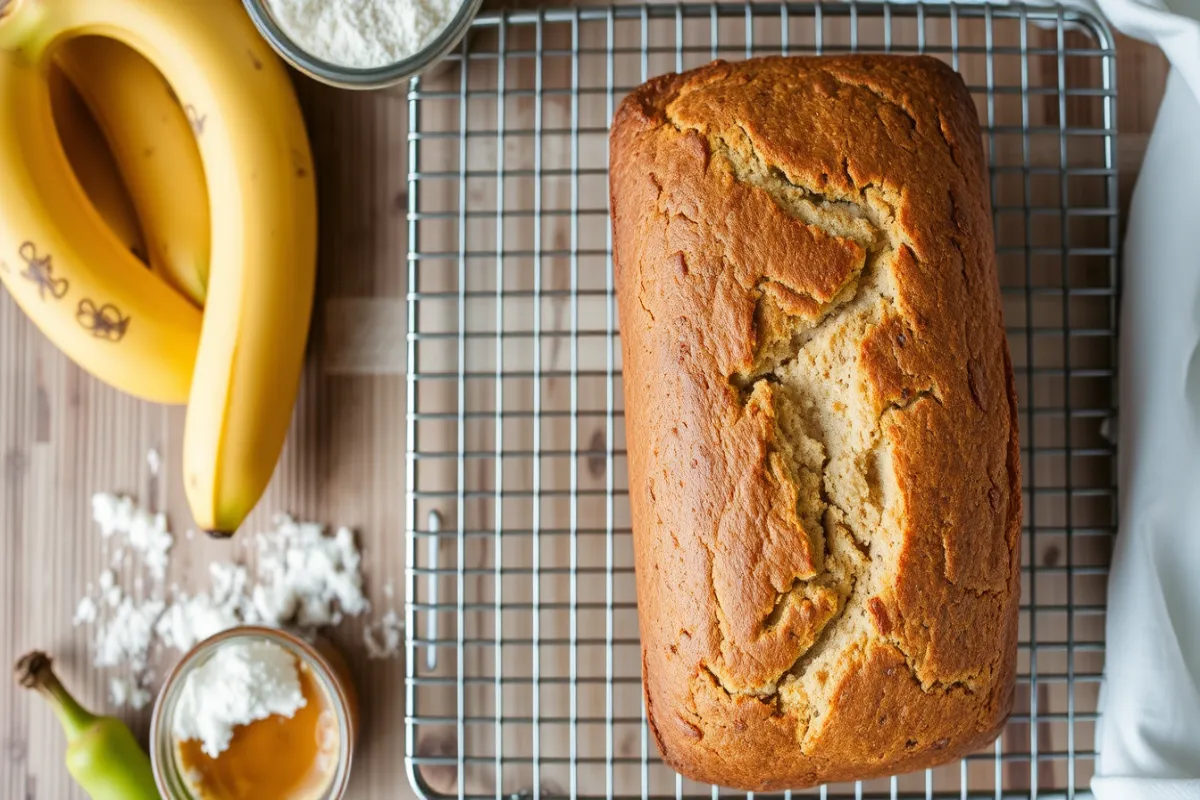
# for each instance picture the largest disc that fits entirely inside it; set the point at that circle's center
(361, 78)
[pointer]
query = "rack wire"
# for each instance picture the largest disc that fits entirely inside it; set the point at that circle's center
(523, 662)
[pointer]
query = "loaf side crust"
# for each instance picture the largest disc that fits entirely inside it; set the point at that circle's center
(821, 419)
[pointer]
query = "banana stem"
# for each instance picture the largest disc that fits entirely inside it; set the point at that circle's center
(33, 671)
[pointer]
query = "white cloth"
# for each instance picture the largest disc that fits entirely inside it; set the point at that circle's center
(1149, 733)
(1148, 737)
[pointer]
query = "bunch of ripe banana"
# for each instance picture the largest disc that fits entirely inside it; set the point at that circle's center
(206, 176)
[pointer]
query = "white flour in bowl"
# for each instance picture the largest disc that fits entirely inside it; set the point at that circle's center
(241, 683)
(362, 33)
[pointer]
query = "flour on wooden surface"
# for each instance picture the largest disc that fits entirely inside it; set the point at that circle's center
(145, 533)
(86, 612)
(362, 33)
(128, 692)
(303, 578)
(382, 639)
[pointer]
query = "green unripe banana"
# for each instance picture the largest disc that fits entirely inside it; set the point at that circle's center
(102, 754)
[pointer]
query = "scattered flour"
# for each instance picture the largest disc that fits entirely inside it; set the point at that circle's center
(306, 577)
(191, 619)
(125, 634)
(303, 578)
(109, 589)
(241, 683)
(362, 33)
(382, 639)
(146, 533)
(86, 612)
(127, 692)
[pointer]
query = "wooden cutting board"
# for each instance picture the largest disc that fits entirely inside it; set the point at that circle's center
(63, 436)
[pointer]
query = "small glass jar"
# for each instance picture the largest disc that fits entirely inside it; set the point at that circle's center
(323, 663)
(355, 78)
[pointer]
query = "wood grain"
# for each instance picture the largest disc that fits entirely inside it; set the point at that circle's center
(64, 436)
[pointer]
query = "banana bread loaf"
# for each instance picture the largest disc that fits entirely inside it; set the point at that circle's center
(821, 419)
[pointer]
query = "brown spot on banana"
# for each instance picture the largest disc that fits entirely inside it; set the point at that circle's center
(300, 164)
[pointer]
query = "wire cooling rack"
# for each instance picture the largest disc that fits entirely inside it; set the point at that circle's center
(523, 662)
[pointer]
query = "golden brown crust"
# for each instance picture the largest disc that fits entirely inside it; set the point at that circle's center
(821, 419)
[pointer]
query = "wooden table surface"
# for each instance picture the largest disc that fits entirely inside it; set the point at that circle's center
(64, 436)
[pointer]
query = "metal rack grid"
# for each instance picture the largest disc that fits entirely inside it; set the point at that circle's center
(523, 663)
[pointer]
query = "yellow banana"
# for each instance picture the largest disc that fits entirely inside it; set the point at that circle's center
(258, 167)
(155, 151)
(93, 163)
(58, 258)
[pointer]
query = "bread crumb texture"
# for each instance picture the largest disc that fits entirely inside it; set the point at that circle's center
(821, 419)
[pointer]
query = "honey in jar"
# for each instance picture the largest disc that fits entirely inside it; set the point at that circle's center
(255, 714)
(277, 757)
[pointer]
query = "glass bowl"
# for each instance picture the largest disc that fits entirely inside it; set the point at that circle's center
(356, 78)
(323, 662)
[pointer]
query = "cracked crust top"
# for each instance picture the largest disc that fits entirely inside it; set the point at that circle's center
(821, 419)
